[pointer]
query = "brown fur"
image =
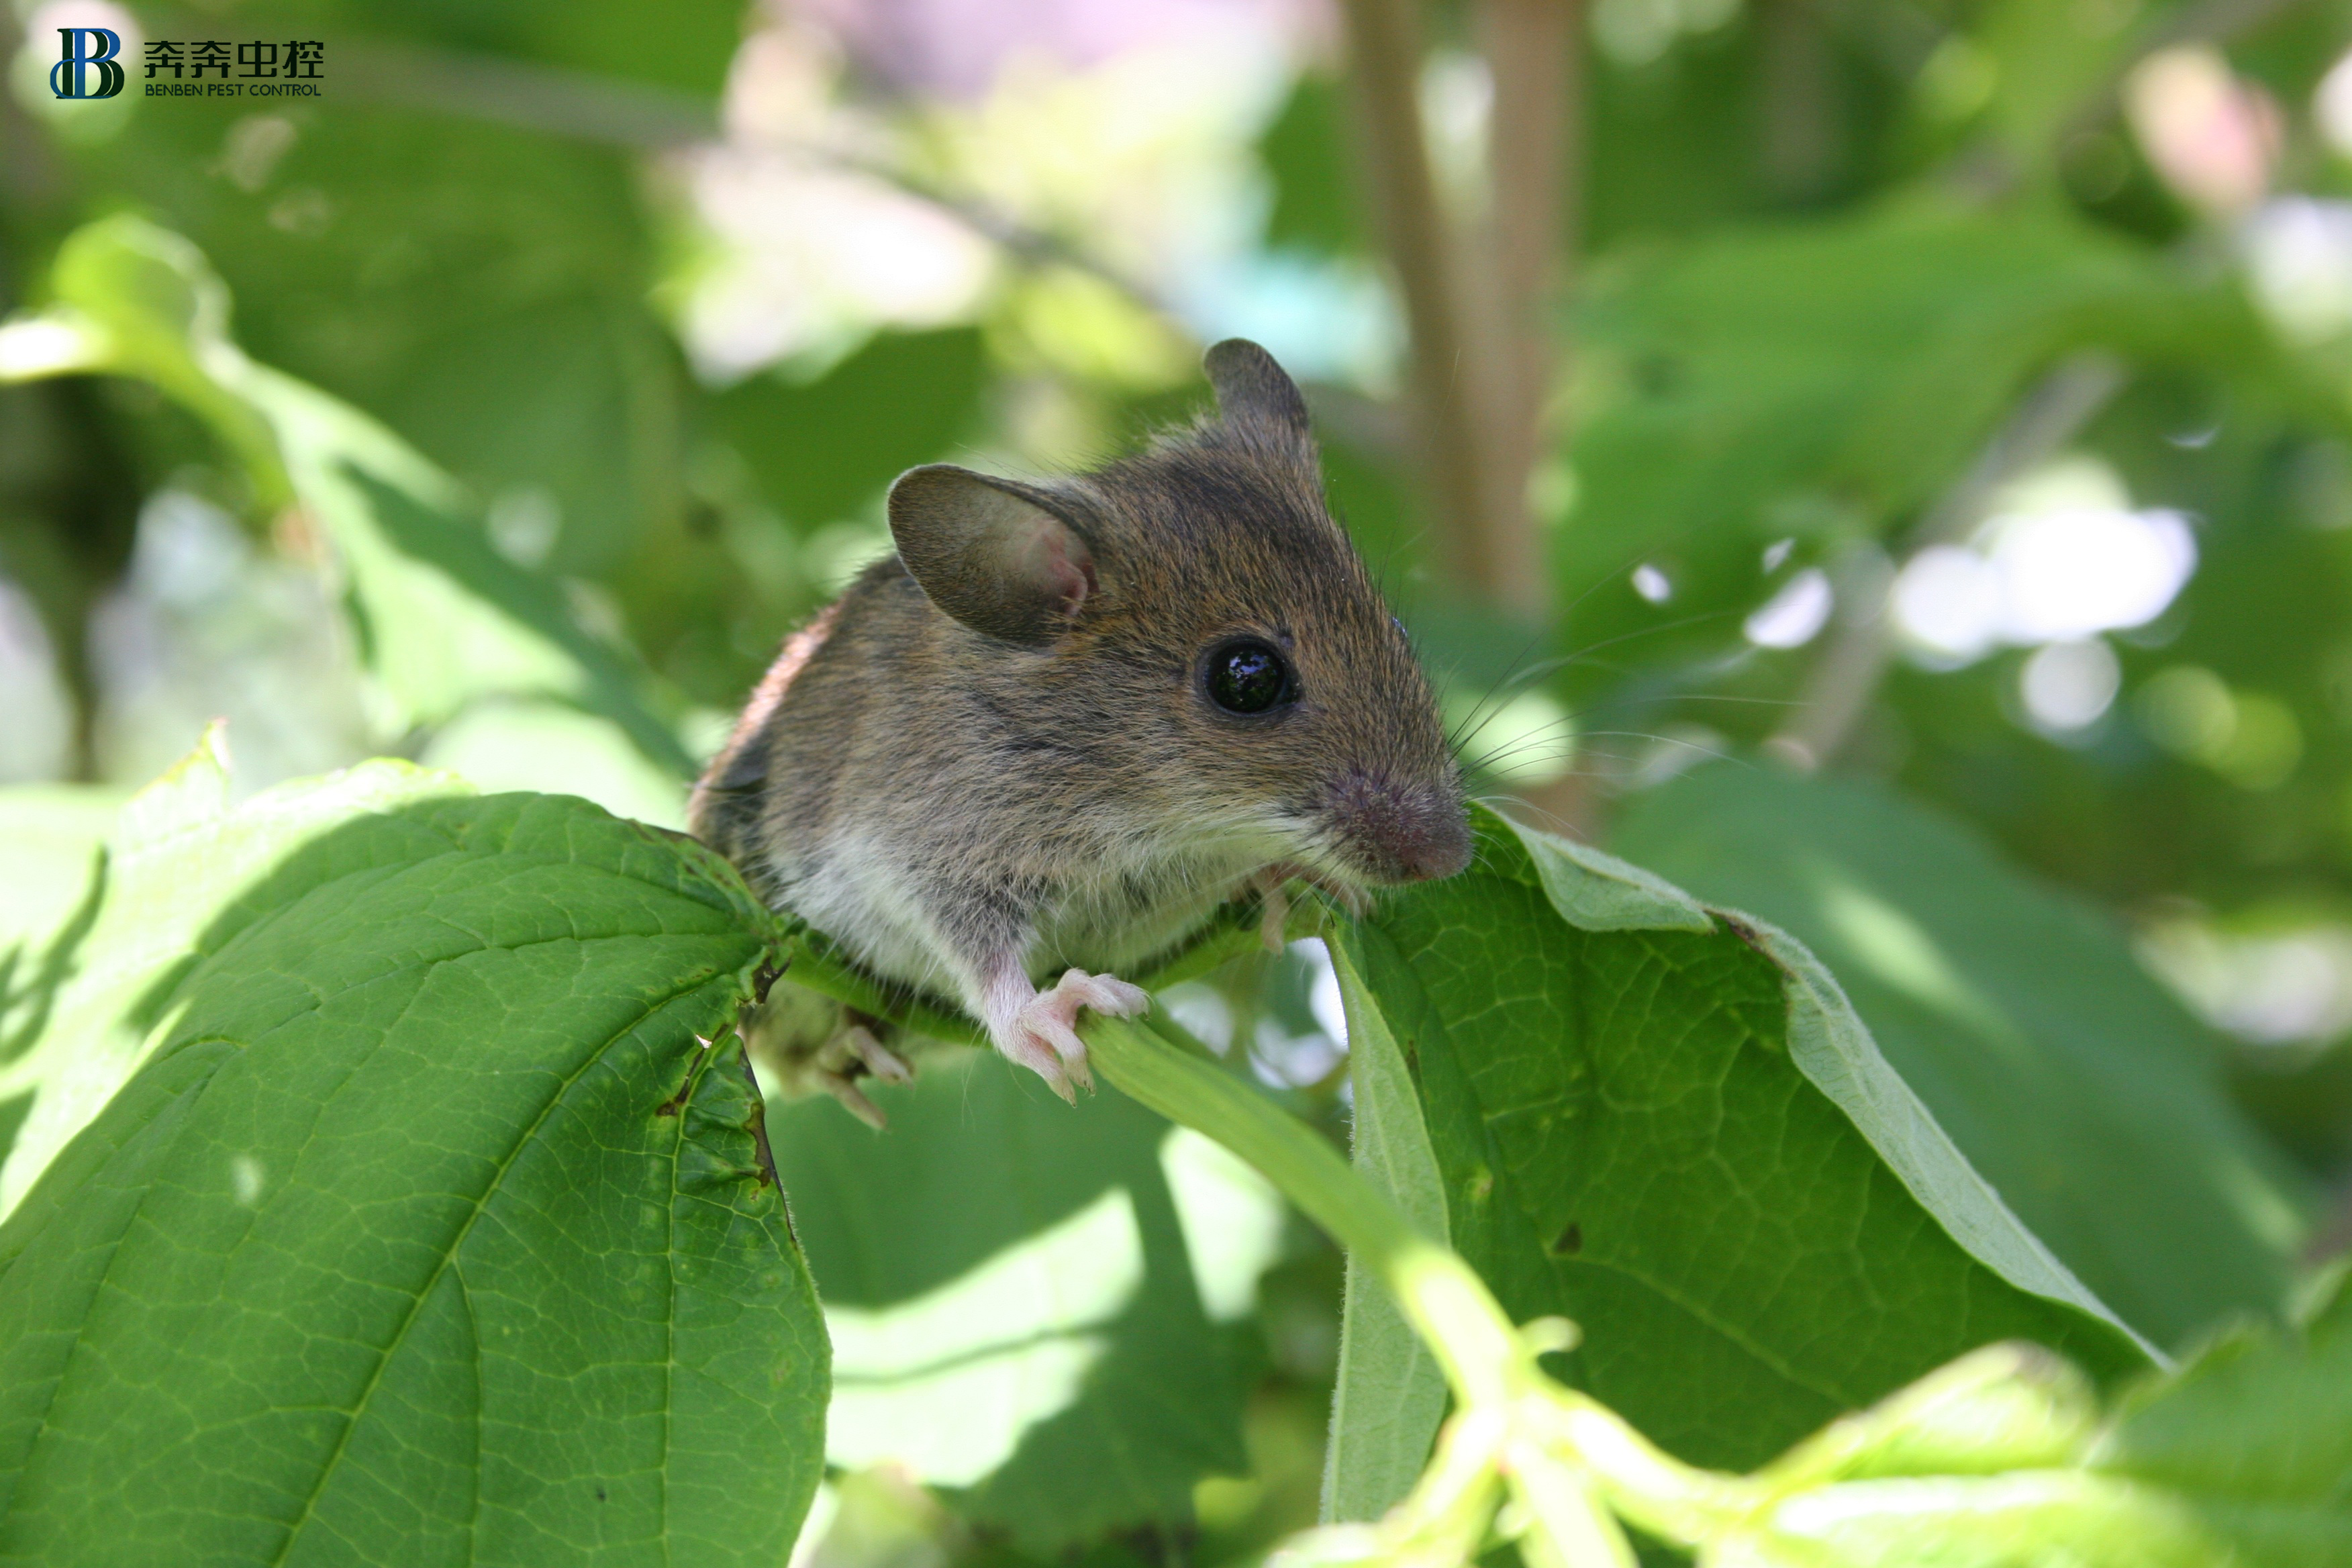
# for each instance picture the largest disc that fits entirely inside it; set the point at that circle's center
(951, 804)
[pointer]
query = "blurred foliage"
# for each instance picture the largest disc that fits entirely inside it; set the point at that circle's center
(1053, 1256)
(1824, 255)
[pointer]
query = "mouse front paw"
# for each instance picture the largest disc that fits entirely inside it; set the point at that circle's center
(1041, 1034)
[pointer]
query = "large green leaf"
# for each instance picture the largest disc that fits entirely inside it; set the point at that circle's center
(481, 288)
(1017, 1314)
(2084, 1093)
(434, 1228)
(79, 1020)
(1669, 1126)
(1756, 384)
(442, 618)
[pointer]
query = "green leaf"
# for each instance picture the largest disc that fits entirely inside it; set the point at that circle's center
(48, 835)
(433, 1229)
(1686, 1142)
(2005, 1407)
(822, 449)
(442, 618)
(2256, 1436)
(2026, 1519)
(177, 860)
(1014, 1315)
(482, 288)
(2242, 1458)
(1391, 1393)
(2085, 1094)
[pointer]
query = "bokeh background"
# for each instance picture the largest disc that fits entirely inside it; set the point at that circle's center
(1885, 463)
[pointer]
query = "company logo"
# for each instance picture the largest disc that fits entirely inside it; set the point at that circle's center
(87, 49)
(295, 68)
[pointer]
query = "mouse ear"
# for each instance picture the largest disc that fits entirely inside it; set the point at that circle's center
(1256, 393)
(998, 556)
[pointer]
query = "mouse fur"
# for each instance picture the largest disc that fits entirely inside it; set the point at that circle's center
(996, 757)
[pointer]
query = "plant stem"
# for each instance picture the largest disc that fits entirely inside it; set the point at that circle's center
(1484, 1357)
(1534, 51)
(1510, 1416)
(1384, 72)
(1842, 684)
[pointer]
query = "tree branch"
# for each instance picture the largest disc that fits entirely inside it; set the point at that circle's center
(1384, 60)
(1534, 52)
(1850, 670)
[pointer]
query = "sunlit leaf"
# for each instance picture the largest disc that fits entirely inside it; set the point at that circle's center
(2242, 1458)
(433, 1228)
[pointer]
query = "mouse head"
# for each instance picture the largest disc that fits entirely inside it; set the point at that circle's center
(1196, 611)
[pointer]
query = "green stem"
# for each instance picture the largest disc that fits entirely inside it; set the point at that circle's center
(1498, 1389)
(1489, 1362)
(1484, 1358)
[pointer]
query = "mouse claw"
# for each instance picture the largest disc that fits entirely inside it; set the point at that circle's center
(1105, 993)
(879, 1059)
(1043, 1035)
(839, 1086)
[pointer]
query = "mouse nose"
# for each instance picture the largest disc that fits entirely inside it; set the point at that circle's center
(1439, 850)
(1401, 834)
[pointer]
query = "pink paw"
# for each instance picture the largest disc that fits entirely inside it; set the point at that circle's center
(1043, 1035)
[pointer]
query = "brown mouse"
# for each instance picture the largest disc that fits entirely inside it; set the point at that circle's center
(1066, 721)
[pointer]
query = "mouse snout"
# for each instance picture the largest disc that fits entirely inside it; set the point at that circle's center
(1400, 832)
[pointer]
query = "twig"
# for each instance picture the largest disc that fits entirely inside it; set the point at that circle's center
(1384, 57)
(1850, 670)
(1535, 53)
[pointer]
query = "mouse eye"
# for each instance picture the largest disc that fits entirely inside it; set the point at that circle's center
(1248, 677)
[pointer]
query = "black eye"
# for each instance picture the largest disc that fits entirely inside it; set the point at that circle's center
(1247, 677)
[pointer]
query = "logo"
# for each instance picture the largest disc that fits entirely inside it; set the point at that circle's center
(295, 68)
(68, 78)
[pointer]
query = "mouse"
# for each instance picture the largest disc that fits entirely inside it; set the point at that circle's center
(1068, 719)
